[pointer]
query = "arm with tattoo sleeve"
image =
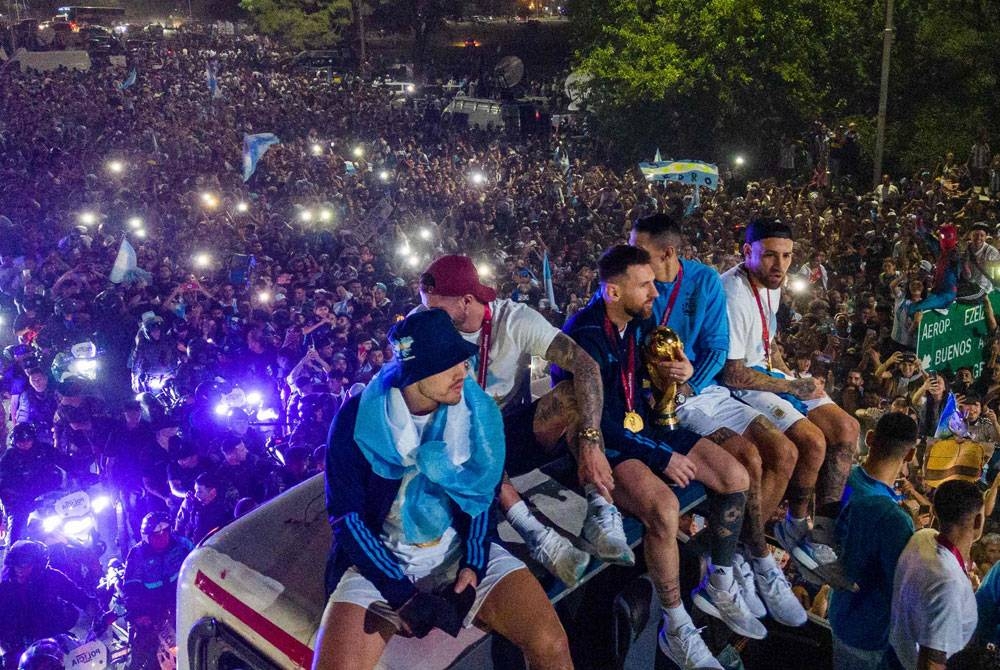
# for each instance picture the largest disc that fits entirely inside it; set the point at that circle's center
(737, 376)
(587, 385)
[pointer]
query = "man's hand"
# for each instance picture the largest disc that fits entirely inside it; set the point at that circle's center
(676, 371)
(592, 467)
(680, 470)
(991, 416)
(466, 577)
(807, 388)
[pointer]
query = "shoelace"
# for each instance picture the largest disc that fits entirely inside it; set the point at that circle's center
(690, 641)
(822, 553)
(774, 579)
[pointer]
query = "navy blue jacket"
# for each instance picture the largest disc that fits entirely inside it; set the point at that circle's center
(586, 327)
(357, 503)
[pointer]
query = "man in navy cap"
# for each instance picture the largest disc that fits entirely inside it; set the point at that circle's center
(507, 335)
(413, 467)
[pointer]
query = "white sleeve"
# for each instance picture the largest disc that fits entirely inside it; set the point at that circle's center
(532, 333)
(739, 319)
(940, 627)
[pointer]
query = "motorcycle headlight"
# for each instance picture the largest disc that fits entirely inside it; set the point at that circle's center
(100, 503)
(267, 415)
(254, 398)
(222, 409)
(77, 526)
(83, 366)
(51, 523)
(156, 383)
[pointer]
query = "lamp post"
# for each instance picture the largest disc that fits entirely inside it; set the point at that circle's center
(883, 99)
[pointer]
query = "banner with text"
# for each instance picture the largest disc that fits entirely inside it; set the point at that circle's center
(946, 342)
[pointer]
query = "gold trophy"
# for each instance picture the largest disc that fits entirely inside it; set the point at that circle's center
(661, 345)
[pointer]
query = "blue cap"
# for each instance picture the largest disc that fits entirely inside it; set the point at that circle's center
(425, 344)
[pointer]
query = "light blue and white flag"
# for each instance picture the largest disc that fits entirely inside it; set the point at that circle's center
(129, 81)
(694, 173)
(126, 268)
(656, 158)
(211, 75)
(350, 167)
(695, 202)
(254, 148)
(550, 291)
(951, 421)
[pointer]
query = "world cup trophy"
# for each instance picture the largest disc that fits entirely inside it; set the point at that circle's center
(662, 345)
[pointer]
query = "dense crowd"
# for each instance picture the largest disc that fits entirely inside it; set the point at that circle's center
(260, 307)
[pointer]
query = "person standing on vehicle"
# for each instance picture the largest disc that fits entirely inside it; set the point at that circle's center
(27, 470)
(35, 600)
(413, 467)
(37, 405)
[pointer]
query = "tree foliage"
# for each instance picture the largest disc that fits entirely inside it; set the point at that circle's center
(302, 23)
(704, 79)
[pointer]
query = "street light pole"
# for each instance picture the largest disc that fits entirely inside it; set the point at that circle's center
(883, 100)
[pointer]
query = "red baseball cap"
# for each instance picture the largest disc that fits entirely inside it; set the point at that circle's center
(457, 276)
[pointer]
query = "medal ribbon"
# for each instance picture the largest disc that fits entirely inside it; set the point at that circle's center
(626, 367)
(673, 294)
(946, 543)
(484, 346)
(763, 317)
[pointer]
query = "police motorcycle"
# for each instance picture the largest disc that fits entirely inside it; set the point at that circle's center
(67, 522)
(97, 650)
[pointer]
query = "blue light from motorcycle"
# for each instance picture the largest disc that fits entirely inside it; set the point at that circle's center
(254, 398)
(78, 526)
(51, 523)
(100, 503)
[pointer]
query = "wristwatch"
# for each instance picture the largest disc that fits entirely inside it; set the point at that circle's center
(589, 435)
(680, 398)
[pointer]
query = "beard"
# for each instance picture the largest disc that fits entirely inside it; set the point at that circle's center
(643, 311)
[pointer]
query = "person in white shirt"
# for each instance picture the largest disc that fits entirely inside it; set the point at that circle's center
(824, 434)
(982, 256)
(933, 605)
(509, 334)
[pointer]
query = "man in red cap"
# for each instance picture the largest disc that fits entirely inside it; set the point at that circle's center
(507, 335)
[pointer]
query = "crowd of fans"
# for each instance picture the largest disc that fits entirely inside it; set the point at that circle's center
(260, 307)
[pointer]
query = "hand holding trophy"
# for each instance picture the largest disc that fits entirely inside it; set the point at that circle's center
(662, 345)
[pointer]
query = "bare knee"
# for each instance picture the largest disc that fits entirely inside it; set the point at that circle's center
(548, 648)
(660, 518)
(785, 456)
(811, 445)
(750, 459)
(734, 478)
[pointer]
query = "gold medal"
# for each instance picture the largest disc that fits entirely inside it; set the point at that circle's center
(633, 422)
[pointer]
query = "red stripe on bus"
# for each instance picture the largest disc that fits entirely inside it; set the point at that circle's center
(287, 644)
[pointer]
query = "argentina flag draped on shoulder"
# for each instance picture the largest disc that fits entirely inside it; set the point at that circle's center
(254, 148)
(129, 81)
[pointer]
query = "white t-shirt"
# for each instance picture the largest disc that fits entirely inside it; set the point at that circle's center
(746, 331)
(518, 333)
(933, 604)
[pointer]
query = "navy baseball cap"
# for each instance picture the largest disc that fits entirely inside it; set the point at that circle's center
(425, 344)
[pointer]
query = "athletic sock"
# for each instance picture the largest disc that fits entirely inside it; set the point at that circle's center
(721, 577)
(677, 617)
(764, 564)
(525, 523)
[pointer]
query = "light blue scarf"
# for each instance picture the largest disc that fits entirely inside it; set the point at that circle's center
(459, 458)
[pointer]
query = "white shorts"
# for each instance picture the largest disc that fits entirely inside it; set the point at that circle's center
(356, 589)
(715, 408)
(780, 412)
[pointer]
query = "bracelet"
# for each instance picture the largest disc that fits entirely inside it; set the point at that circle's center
(589, 435)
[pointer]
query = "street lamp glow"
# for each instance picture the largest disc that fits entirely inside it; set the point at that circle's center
(141, 233)
(425, 234)
(325, 215)
(305, 215)
(116, 167)
(358, 151)
(88, 218)
(740, 161)
(135, 223)
(242, 207)
(202, 260)
(316, 149)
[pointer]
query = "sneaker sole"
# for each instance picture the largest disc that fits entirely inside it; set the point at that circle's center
(706, 606)
(625, 559)
(664, 648)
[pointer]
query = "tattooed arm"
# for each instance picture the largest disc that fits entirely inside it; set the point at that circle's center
(587, 385)
(737, 376)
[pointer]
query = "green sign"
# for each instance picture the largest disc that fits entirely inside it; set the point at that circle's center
(957, 338)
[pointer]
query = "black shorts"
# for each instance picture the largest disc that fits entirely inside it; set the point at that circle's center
(524, 452)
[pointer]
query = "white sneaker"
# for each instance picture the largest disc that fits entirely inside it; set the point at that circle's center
(560, 557)
(686, 648)
(603, 529)
(748, 589)
(777, 595)
(818, 560)
(728, 607)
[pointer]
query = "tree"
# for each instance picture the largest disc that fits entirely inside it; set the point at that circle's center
(302, 23)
